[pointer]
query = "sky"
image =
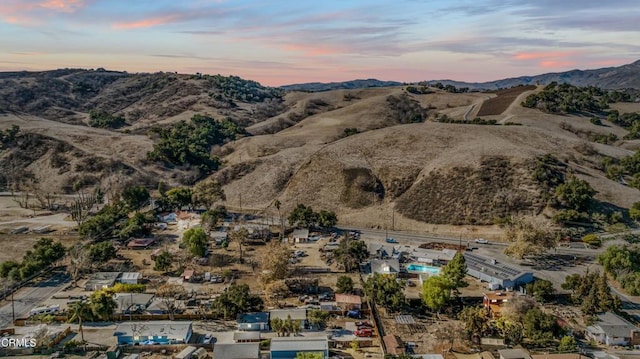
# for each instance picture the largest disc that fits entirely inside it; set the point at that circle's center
(283, 42)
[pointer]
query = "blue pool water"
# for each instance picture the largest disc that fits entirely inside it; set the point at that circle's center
(423, 269)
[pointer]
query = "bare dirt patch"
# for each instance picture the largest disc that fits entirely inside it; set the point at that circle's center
(501, 102)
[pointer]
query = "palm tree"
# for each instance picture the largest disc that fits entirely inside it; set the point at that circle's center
(79, 311)
(277, 204)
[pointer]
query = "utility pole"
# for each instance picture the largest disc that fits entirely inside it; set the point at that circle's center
(393, 219)
(13, 308)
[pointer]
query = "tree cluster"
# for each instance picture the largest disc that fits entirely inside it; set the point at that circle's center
(235, 300)
(104, 222)
(304, 216)
(528, 237)
(629, 167)
(44, 253)
(385, 290)
(350, 253)
(9, 136)
(622, 262)
(236, 88)
(628, 121)
(565, 98)
(404, 109)
(103, 119)
(285, 327)
(541, 289)
(592, 292)
(190, 143)
(195, 240)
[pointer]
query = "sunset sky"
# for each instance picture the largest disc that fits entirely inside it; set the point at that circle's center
(284, 42)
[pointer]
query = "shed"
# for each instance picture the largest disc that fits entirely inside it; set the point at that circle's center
(188, 274)
(246, 337)
(253, 321)
(348, 301)
(393, 344)
(130, 277)
(300, 235)
(101, 280)
(140, 243)
(237, 351)
(289, 347)
(186, 353)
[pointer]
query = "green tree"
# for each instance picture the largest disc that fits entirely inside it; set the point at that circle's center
(476, 322)
(575, 194)
(102, 304)
(436, 292)
(212, 217)
(135, 197)
(180, 197)
(327, 219)
(309, 355)
(350, 254)
(344, 284)
(634, 211)
(541, 289)
(101, 252)
(302, 216)
(567, 344)
(385, 290)
(540, 327)
(455, 272)
(511, 331)
(318, 318)
(235, 300)
(195, 241)
(79, 311)
(208, 193)
(239, 236)
(163, 262)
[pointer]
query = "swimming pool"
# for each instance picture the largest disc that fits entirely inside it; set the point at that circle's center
(423, 269)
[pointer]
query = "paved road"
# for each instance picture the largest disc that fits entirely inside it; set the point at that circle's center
(30, 297)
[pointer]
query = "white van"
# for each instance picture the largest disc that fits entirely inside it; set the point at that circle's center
(44, 310)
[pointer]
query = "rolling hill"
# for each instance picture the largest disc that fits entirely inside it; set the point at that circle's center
(363, 152)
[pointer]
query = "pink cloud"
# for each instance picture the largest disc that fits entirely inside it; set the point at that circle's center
(542, 55)
(143, 23)
(29, 12)
(556, 63)
(312, 50)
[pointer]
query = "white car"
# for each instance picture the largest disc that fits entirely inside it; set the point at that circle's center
(482, 241)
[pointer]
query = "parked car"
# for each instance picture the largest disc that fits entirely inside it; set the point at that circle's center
(391, 240)
(325, 297)
(365, 332)
(364, 324)
(207, 339)
(353, 314)
(482, 241)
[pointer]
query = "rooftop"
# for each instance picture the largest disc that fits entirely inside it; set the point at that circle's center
(296, 343)
(385, 266)
(612, 325)
(126, 300)
(295, 314)
(301, 233)
(499, 295)
(427, 255)
(514, 354)
(130, 276)
(239, 336)
(394, 344)
(141, 242)
(259, 317)
(348, 298)
(558, 356)
(236, 350)
(170, 329)
(491, 267)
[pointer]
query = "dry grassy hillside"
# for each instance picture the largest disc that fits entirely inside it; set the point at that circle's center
(358, 152)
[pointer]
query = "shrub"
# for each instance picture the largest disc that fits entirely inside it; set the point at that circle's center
(592, 240)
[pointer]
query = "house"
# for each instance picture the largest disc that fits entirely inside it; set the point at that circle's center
(130, 277)
(349, 302)
(288, 347)
(163, 332)
(167, 217)
(237, 351)
(393, 344)
(247, 337)
(140, 243)
(300, 235)
(188, 275)
(132, 302)
(382, 251)
(296, 314)
(514, 354)
(498, 275)
(101, 280)
(385, 266)
(186, 353)
(156, 307)
(559, 356)
(253, 321)
(493, 302)
(611, 329)
(431, 256)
